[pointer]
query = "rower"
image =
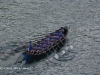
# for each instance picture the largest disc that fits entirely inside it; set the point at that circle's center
(43, 41)
(42, 49)
(47, 39)
(44, 45)
(30, 52)
(38, 45)
(49, 43)
(55, 33)
(30, 47)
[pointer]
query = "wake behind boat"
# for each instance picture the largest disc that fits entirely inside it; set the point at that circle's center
(44, 47)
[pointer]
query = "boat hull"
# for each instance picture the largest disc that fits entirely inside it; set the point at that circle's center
(56, 46)
(31, 58)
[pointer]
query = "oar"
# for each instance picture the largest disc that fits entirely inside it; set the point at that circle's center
(35, 39)
(40, 36)
(49, 50)
(46, 53)
(18, 58)
(58, 45)
(43, 34)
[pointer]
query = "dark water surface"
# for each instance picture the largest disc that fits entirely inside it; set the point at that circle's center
(22, 19)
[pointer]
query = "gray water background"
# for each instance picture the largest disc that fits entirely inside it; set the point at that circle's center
(22, 18)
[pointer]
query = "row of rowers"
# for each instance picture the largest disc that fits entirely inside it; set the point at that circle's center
(47, 42)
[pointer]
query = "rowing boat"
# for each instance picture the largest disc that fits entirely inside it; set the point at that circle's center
(46, 45)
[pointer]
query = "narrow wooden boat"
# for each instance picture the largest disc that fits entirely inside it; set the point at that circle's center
(45, 47)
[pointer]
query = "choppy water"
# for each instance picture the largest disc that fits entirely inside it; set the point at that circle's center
(20, 19)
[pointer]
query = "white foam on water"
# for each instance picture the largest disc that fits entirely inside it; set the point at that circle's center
(51, 59)
(63, 52)
(71, 47)
(56, 56)
(8, 51)
(23, 62)
(66, 48)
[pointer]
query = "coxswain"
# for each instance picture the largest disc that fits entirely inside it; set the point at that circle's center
(30, 47)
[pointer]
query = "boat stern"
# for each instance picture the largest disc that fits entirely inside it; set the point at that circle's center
(28, 58)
